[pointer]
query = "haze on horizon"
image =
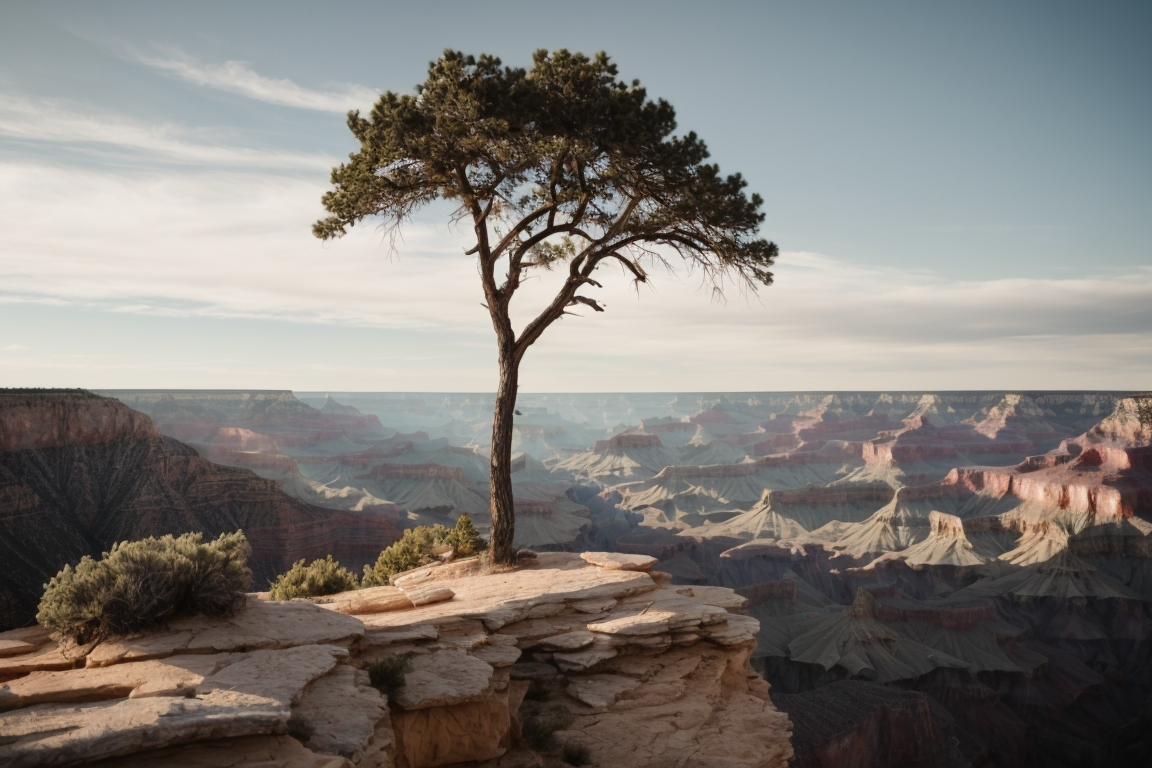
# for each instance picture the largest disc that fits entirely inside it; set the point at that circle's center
(961, 194)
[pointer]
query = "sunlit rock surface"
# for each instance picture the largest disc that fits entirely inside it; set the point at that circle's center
(636, 672)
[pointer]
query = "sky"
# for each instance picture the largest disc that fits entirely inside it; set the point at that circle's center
(961, 192)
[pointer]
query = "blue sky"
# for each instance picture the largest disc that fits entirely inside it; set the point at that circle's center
(962, 192)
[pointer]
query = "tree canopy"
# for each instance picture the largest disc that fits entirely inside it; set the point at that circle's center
(559, 167)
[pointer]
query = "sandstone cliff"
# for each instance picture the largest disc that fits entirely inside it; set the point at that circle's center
(592, 653)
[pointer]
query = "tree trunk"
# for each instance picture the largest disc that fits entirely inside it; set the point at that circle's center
(503, 512)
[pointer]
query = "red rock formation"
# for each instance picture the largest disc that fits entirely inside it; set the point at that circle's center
(41, 419)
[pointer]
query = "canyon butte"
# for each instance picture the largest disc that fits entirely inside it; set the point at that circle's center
(813, 579)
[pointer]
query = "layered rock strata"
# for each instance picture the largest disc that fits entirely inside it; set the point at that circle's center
(79, 473)
(614, 661)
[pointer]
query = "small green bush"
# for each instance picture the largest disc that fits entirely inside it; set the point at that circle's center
(414, 549)
(575, 754)
(387, 675)
(320, 577)
(140, 584)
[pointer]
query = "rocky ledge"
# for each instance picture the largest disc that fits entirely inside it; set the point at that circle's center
(620, 665)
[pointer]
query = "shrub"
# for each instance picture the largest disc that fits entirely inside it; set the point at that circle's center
(140, 584)
(415, 549)
(320, 577)
(575, 754)
(387, 675)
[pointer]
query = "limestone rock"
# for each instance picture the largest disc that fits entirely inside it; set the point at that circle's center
(651, 623)
(374, 636)
(243, 752)
(60, 735)
(569, 641)
(262, 624)
(16, 642)
(595, 606)
(738, 629)
(427, 594)
(600, 690)
(497, 655)
(367, 600)
(600, 650)
(340, 714)
(618, 561)
(475, 730)
(443, 678)
(278, 676)
(175, 676)
(244, 694)
(48, 657)
(721, 597)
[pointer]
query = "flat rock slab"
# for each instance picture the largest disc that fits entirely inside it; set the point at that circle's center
(252, 693)
(175, 676)
(340, 713)
(654, 622)
(17, 642)
(46, 658)
(242, 752)
(738, 629)
(279, 675)
(721, 597)
(578, 661)
(376, 637)
(497, 655)
(63, 735)
(600, 691)
(261, 624)
(502, 598)
(569, 641)
(618, 561)
(427, 594)
(367, 600)
(443, 678)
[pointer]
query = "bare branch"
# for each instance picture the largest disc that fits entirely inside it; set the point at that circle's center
(586, 301)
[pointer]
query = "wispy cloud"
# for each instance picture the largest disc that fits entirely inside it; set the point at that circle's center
(239, 78)
(222, 244)
(54, 121)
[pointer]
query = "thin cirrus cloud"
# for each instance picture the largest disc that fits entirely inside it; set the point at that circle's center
(236, 245)
(54, 121)
(239, 78)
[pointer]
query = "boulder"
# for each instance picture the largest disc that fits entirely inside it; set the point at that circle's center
(340, 714)
(443, 678)
(618, 561)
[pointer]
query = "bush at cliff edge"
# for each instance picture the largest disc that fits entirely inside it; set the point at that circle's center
(415, 549)
(140, 584)
(318, 578)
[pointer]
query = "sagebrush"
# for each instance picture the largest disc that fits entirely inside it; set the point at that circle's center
(415, 549)
(388, 675)
(320, 577)
(141, 584)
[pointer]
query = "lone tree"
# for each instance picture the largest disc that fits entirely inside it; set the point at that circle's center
(561, 167)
